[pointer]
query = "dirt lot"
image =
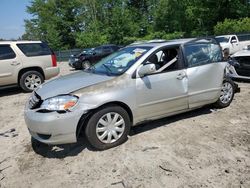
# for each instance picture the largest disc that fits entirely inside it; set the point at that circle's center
(204, 148)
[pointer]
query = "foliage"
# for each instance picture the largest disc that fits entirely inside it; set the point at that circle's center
(87, 23)
(232, 26)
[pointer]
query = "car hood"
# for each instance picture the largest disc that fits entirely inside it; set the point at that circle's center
(242, 53)
(223, 44)
(70, 83)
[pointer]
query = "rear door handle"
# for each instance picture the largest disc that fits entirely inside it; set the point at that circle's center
(15, 63)
(181, 75)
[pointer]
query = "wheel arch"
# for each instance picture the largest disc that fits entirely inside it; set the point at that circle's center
(22, 71)
(85, 117)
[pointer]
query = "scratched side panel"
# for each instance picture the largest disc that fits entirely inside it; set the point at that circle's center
(204, 83)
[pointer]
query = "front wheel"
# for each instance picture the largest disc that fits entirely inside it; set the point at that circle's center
(86, 64)
(227, 94)
(108, 127)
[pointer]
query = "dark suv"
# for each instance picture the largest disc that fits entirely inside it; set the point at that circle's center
(88, 57)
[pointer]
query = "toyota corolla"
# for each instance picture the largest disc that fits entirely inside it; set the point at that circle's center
(141, 82)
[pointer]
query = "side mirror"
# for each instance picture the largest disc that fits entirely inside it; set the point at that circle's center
(146, 69)
(233, 41)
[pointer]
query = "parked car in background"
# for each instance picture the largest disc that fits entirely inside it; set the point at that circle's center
(233, 43)
(26, 64)
(241, 69)
(138, 83)
(91, 56)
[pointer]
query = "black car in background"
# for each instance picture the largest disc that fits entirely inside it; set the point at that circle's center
(90, 56)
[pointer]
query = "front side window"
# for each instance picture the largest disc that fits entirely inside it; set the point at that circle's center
(120, 61)
(98, 50)
(165, 60)
(6, 52)
(202, 54)
(233, 39)
(34, 49)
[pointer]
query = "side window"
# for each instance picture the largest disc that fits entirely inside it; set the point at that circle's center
(34, 49)
(233, 39)
(98, 50)
(165, 60)
(6, 52)
(202, 54)
(107, 49)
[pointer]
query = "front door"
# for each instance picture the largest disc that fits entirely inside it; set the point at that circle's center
(235, 47)
(8, 65)
(162, 93)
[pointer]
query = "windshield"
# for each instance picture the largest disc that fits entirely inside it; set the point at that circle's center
(120, 61)
(222, 39)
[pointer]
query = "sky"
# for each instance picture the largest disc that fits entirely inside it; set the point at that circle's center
(12, 15)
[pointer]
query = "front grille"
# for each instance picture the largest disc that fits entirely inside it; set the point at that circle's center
(35, 101)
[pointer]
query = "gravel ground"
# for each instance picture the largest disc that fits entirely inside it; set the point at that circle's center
(203, 148)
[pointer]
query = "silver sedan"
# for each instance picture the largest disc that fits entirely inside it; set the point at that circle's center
(141, 82)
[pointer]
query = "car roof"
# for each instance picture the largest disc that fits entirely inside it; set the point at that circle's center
(224, 36)
(108, 45)
(155, 43)
(19, 41)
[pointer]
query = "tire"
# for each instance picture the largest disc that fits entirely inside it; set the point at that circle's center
(31, 80)
(227, 94)
(104, 135)
(86, 64)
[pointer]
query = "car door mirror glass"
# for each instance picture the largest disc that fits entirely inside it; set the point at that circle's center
(146, 69)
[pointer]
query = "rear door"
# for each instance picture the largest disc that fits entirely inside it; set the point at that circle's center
(205, 72)
(9, 65)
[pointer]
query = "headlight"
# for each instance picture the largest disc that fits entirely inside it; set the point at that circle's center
(60, 103)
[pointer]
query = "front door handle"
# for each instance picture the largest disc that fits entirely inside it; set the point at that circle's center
(15, 63)
(181, 75)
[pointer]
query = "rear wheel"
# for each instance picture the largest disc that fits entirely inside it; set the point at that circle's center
(227, 94)
(31, 80)
(108, 127)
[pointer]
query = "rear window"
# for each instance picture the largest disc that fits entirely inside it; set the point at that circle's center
(34, 49)
(6, 52)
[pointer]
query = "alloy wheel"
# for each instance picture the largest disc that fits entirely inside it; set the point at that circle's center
(32, 81)
(226, 92)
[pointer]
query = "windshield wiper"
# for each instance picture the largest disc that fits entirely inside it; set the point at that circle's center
(108, 69)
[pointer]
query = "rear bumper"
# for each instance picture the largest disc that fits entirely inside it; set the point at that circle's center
(51, 72)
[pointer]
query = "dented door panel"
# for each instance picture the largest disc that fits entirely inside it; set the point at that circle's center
(204, 83)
